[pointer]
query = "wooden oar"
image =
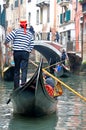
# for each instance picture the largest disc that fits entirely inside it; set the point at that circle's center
(53, 64)
(55, 78)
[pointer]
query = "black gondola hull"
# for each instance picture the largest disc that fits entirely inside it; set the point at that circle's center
(8, 73)
(33, 99)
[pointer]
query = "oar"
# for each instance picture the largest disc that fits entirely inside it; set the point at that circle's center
(9, 100)
(53, 64)
(68, 87)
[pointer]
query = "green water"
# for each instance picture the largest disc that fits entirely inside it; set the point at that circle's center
(71, 110)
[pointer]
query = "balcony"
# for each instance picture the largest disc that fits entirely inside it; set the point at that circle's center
(41, 3)
(63, 2)
(82, 1)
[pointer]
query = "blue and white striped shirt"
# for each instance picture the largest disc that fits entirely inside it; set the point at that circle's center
(21, 41)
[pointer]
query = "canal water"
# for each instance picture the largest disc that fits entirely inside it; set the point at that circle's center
(71, 109)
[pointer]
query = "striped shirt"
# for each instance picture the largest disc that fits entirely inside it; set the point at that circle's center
(21, 41)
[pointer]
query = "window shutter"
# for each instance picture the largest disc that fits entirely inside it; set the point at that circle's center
(67, 13)
(60, 18)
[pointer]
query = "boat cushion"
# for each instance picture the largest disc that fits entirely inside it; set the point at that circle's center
(49, 89)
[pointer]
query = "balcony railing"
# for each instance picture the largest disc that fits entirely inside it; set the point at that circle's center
(63, 2)
(42, 3)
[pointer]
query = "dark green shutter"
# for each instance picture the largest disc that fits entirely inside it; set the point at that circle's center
(16, 3)
(60, 18)
(58, 1)
(67, 14)
(3, 18)
(0, 14)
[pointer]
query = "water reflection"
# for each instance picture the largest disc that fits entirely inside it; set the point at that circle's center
(71, 110)
(41, 123)
(5, 111)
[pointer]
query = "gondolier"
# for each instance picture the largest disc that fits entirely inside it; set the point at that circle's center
(63, 57)
(23, 44)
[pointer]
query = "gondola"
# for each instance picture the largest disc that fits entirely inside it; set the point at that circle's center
(64, 72)
(8, 73)
(32, 99)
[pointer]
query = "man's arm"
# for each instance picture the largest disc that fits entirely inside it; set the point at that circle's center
(8, 38)
(31, 43)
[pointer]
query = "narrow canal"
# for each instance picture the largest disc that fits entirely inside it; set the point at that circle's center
(71, 110)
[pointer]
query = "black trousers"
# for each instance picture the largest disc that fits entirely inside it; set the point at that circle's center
(21, 62)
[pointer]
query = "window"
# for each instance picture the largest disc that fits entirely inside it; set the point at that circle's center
(84, 7)
(65, 17)
(84, 28)
(29, 18)
(21, 1)
(62, 1)
(16, 3)
(0, 14)
(29, 0)
(48, 13)
(62, 18)
(11, 6)
(41, 15)
(68, 34)
(37, 17)
(2, 17)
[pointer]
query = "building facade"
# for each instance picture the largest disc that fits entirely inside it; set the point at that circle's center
(66, 23)
(2, 32)
(83, 28)
(49, 17)
(41, 15)
(14, 13)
